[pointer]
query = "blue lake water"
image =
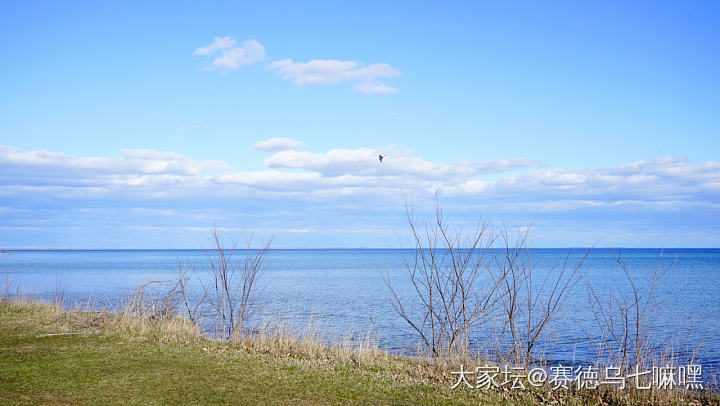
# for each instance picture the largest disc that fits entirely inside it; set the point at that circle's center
(342, 290)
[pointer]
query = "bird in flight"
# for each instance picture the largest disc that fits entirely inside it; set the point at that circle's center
(381, 156)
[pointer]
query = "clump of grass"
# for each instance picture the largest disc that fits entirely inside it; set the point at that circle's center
(277, 337)
(34, 310)
(154, 314)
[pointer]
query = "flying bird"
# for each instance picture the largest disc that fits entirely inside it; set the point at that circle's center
(381, 156)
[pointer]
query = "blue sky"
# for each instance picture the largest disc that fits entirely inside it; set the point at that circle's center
(139, 124)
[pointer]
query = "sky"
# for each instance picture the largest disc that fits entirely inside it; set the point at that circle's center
(141, 124)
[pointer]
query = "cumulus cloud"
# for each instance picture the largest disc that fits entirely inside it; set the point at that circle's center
(323, 72)
(665, 182)
(218, 44)
(662, 184)
(278, 144)
(229, 56)
(364, 161)
(140, 161)
(346, 189)
(72, 175)
(663, 195)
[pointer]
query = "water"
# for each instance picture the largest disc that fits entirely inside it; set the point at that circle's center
(343, 291)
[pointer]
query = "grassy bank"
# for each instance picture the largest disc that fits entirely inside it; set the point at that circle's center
(51, 356)
(55, 357)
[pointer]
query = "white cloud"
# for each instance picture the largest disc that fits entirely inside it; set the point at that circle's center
(339, 190)
(364, 161)
(371, 88)
(661, 184)
(285, 183)
(154, 212)
(218, 44)
(278, 144)
(323, 72)
(133, 161)
(228, 56)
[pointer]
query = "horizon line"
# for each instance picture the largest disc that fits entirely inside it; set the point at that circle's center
(311, 248)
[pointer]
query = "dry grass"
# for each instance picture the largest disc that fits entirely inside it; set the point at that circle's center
(278, 338)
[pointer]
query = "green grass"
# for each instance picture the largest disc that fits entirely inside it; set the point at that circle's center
(106, 364)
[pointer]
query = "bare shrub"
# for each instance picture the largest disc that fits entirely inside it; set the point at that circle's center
(528, 304)
(232, 290)
(450, 284)
(193, 311)
(461, 280)
(626, 316)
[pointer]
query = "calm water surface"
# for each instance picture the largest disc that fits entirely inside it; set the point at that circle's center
(343, 291)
